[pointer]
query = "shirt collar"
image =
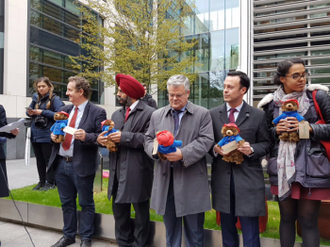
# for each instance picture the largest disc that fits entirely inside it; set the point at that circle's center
(238, 108)
(132, 106)
(82, 106)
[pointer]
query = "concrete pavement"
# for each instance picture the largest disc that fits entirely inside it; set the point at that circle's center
(14, 234)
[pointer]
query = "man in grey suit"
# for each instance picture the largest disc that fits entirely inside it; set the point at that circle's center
(239, 190)
(131, 170)
(180, 189)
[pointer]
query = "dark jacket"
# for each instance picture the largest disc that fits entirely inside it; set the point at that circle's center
(248, 176)
(131, 165)
(43, 135)
(149, 101)
(312, 165)
(84, 153)
(3, 173)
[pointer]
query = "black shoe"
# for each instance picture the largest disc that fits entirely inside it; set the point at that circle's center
(48, 186)
(86, 243)
(38, 186)
(64, 241)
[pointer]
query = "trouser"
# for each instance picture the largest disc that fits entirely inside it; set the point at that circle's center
(42, 152)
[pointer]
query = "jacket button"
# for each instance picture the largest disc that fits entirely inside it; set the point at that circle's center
(228, 172)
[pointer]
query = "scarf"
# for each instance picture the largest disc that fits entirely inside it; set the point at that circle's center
(285, 160)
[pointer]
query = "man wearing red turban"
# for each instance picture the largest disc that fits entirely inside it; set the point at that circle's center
(130, 179)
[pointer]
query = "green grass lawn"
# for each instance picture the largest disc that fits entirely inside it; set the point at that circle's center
(103, 206)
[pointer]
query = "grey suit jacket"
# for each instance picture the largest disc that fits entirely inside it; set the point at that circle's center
(248, 177)
(190, 178)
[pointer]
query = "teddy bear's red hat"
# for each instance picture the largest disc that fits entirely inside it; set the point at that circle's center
(292, 100)
(232, 125)
(165, 138)
(65, 113)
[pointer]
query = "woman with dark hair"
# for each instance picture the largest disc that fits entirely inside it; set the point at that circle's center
(296, 170)
(44, 105)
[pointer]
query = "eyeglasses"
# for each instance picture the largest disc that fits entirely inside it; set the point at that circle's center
(297, 76)
(178, 96)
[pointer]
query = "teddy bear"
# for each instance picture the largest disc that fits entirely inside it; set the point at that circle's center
(230, 133)
(166, 143)
(289, 109)
(108, 125)
(61, 119)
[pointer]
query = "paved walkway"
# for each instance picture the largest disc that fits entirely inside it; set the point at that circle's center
(14, 235)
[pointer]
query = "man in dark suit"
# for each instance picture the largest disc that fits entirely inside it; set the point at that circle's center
(75, 161)
(131, 170)
(239, 190)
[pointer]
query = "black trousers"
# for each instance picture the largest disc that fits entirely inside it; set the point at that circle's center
(42, 152)
(126, 233)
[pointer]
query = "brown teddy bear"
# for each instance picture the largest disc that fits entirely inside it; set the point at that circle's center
(230, 133)
(61, 119)
(108, 125)
(289, 109)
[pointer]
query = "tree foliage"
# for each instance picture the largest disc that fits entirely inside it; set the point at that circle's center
(138, 37)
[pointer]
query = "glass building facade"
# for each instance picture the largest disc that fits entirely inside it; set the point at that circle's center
(54, 36)
(215, 23)
(284, 29)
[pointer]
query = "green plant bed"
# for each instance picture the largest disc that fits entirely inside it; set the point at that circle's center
(103, 206)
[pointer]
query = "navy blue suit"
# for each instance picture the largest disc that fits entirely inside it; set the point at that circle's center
(77, 176)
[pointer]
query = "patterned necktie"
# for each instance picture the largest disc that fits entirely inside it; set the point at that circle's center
(176, 118)
(68, 137)
(127, 113)
(231, 115)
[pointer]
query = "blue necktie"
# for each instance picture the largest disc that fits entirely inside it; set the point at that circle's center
(176, 120)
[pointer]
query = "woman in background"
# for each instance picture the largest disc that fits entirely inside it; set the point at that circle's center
(295, 169)
(44, 105)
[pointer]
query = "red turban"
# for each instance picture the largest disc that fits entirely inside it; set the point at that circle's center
(130, 86)
(165, 138)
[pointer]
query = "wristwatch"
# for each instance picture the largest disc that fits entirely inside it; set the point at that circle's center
(251, 154)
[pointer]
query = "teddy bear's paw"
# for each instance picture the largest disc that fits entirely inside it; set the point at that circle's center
(162, 156)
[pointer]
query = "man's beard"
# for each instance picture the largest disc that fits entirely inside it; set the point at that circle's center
(124, 102)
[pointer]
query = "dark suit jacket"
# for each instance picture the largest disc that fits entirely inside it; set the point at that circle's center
(3, 173)
(248, 177)
(84, 153)
(131, 165)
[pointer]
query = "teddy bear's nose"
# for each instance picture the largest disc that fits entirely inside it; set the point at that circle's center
(228, 132)
(290, 106)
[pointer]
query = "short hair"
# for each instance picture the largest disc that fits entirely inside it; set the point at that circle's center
(244, 79)
(81, 83)
(284, 67)
(177, 80)
(48, 83)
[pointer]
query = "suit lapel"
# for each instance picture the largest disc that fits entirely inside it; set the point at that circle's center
(243, 114)
(85, 115)
(223, 115)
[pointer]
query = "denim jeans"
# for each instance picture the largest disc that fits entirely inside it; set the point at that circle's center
(69, 184)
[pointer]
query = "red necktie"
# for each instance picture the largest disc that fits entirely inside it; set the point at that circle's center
(231, 115)
(68, 137)
(127, 113)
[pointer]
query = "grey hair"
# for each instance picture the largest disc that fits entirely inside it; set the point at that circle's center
(177, 80)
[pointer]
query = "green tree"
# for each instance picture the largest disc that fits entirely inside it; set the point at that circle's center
(137, 37)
